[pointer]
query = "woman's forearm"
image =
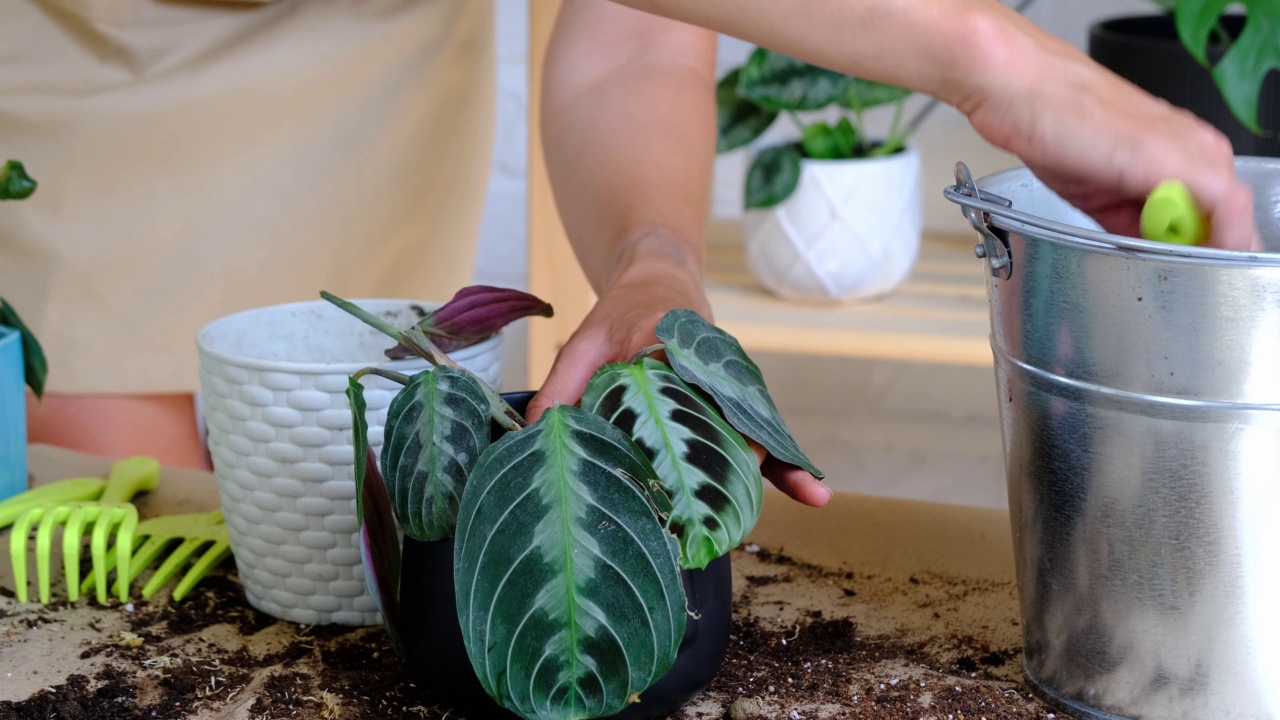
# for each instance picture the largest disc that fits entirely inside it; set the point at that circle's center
(628, 117)
(959, 51)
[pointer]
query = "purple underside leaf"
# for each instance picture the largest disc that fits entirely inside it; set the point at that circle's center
(380, 549)
(474, 314)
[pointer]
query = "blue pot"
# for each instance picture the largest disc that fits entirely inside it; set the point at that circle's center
(13, 415)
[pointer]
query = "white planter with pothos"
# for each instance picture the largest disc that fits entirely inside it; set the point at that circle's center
(274, 384)
(850, 230)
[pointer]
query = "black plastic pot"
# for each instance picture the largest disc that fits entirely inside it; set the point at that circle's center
(1145, 50)
(438, 659)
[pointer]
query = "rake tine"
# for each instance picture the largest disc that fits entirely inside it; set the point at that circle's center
(124, 544)
(18, 549)
(170, 566)
(142, 557)
(216, 553)
(90, 581)
(44, 542)
(124, 550)
(72, 537)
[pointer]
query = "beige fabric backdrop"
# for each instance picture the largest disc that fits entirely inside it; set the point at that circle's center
(200, 158)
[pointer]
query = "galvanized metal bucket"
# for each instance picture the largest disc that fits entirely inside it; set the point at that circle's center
(1139, 392)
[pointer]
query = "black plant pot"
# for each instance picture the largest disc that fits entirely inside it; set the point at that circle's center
(438, 659)
(1146, 51)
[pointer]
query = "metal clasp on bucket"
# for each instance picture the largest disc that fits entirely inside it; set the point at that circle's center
(993, 249)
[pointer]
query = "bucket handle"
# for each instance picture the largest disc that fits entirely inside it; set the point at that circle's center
(979, 206)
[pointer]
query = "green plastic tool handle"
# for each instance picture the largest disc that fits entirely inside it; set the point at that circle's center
(131, 476)
(73, 490)
(1171, 215)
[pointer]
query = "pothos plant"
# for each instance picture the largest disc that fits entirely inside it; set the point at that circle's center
(750, 98)
(569, 533)
(16, 184)
(1249, 58)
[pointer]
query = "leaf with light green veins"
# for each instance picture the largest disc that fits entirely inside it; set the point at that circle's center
(568, 588)
(739, 121)
(712, 359)
(774, 174)
(1247, 62)
(778, 82)
(708, 471)
(437, 427)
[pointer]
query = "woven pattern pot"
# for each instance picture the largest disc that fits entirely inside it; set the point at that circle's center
(279, 430)
(850, 230)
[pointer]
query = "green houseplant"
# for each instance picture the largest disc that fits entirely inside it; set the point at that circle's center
(22, 362)
(835, 213)
(569, 535)
(16, 184)
(1197, 56)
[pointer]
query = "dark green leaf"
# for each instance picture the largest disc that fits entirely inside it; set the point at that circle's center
(847, 136)
(15, 183)
(568, 588)
(778, 82)
(35, 366)
(437, 428)
(772, 177)
(739, 120)
(862, 94)
(379, 543)
(1247, 62)
(710, 358)
(704, 465)
(820, 142)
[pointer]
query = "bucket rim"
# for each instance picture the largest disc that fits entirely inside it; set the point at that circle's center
(1009, 218)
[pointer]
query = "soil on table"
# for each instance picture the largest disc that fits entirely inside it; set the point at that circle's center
(808, 642)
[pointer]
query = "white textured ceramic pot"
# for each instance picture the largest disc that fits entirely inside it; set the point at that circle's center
(850, 230)
(274, 384)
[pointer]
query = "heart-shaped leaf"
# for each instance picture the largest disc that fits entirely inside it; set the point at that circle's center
(821, 142)
(712, 359)
(705, 466)
(778, 82)
(15, 183)
(1247, 62)
(379, 543)
(34, 365)
(860, 94)
(774, 174)
(568, 588)
(739, 120)
(437, 427)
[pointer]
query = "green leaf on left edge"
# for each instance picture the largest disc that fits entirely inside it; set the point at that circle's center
(35, 366)
(710, 358)
(437, 428)
(774, 174)
(739, 120)
(779, 82)
(379, 542)
(15, 183)
(1247, 62)
(568, 587)
(705, 466)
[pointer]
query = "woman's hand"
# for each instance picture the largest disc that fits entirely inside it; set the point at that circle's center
(1103, 144)
(656, 278)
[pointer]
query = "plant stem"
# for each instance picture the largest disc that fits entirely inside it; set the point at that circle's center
(795, 118)
(388, 374)
(646, 352)
(895, 139)
(505, 415)
(1220, 34)
(368, 318)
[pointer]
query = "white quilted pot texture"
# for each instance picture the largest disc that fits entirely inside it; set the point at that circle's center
(274, 383)
(851, 230)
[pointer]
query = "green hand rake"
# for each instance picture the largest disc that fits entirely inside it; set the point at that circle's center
(195, 531)
(112, 511)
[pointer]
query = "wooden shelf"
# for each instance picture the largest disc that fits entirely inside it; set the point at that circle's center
(940, 314)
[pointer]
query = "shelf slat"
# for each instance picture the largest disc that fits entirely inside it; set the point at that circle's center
(940, 314)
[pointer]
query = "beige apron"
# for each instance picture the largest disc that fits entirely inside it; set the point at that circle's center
(200, 158)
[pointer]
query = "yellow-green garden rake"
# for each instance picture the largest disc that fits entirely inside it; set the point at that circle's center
(195, 531)
(111, 511)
